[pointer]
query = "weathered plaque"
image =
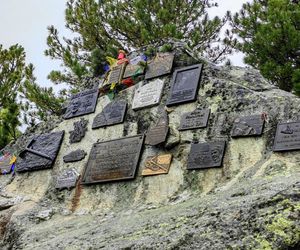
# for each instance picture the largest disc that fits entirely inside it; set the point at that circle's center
(6, 162)
(78, 133)
(148, 95)
(158, 164)
(185, 84)
(67, 179)
(40, 153)
(157, 134)
(287, 136)
(116, 74)
(74, 156)
(133, 70)
(206, 155)
(196, 119)
(113, 113)
(248, 126)
(113, 160)
(82, 103)
(161, 65)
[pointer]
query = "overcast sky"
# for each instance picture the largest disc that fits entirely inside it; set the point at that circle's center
(25, 23)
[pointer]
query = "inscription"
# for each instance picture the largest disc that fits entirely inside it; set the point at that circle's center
(196, 119)
(67, 179)
(74, 156)
(78, 133)
(248, 126)
(161, 65)
(287, 137)
(158, 164)
(116, 74)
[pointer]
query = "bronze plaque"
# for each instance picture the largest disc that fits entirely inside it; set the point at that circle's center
(113, 160)
(133, 70)
(248, 126)
(287, 137)
(116, 74)
(158, 164)
(82, 103)
(67, 179)
(112, 114)
(196, 119)
(80, 127)
(74, 156)
(6, 162)
(206, 155)
(185, 84)
(161, 65)
(158, 133)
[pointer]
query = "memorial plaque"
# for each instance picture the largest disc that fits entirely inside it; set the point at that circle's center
(6, 162)
(158, 133)
(67, 180)
(206, 155)
(196, 119)
(287, 137)
(116, 74)
(158, 164)
(248, 126)
(74, 156)
(161, 65)
(133, 70)
(148, 95)
(82, 103)
(113, 113)
(113, 160)
(185, 84)
(40, 153)
(78, 133)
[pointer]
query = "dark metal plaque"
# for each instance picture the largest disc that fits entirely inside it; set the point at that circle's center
(67, 179)
(287, 136)
(248, 126)
(116, 74)
(6, 162)
(158, 164)
(40, 153)
(133, 70)
(82, 103)
(78, 133)
(206, 155)
(196, 119)
(185, 84)
(158, 133)
(74, 156)
(161, 65)
(112, 114)
(113, 160)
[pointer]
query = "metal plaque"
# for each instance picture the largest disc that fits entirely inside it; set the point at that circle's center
(206, 155)
(158, 133)
(185, 84)
(161, 65)
(148, 95)
(82, 103)
(287, 136)
(196, 119)
(67, 179)
(116, 74)
(6, 162)
(78, 133)
(248, 126)
(113, 160)
(74, 156)
(158, 164)
(133, 70)
(113, 113)
(40, 153)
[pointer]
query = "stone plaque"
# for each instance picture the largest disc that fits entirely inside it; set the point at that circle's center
(113, 160)
(78, 133)
(133, 70)
(161, 65)
(185, 84)
(40, 153)
(67, 179)
(248, 126)
(82, 103)
(206, 155)
(196, 119)
(287, 136)
(116, 74)
(6, 162)
(113, 113)
(158, 164)
(74, 156)
(157, 134)
(148, 95)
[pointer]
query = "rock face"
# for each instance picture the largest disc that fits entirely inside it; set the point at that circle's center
(252, 202)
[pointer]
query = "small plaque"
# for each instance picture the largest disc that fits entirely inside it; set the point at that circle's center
(133, 70)
(40, 153)
(68, 179)
(287, 137)
(157, 134)
(78, 133)
(74, 156)
(116, 74)
(113, 160)
(82, 103)
(148, 95)
(161, 65)
(185, 84)
(196, 119)
(113, 113)
(206, 155)
(248, 126)
(158, 164)
(6, 162)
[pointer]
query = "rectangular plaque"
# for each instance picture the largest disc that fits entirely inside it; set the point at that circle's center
(161, 65)
(206, 155)
(185, 84)
(158, 164)
(113, 160)
(67, 179)
(133, 70)
(116, 74)
(248, 126)
(196, 119)
(287, 137)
